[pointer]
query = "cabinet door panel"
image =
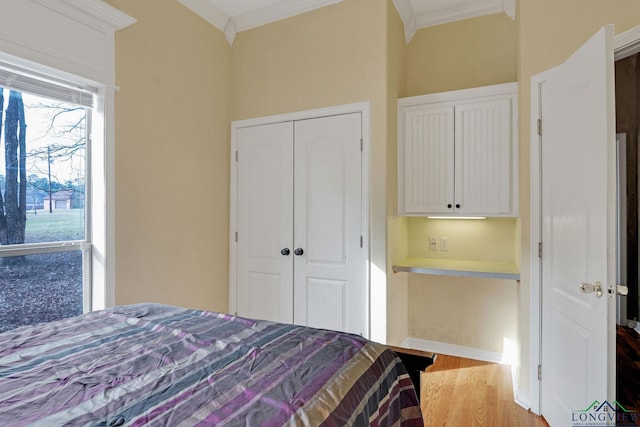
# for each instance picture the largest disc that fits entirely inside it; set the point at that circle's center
(483, 153)
(265, 218)
(328, 223)
(428, 161)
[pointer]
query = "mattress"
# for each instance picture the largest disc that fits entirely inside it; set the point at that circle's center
(151, 364)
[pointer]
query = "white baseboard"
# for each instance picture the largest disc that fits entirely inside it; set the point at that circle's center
(521, 398)
(453, 350)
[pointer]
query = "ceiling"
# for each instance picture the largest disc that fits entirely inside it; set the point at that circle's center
(233, 16)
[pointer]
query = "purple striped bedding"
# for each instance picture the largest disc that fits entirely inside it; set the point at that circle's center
(151, 364)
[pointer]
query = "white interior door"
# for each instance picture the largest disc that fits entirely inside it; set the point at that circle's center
(265, 218)
(578, 231)
(329, 265)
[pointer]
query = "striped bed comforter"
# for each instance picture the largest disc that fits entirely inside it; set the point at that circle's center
(151, 364)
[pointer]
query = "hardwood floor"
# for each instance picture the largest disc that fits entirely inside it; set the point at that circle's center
(628, 368)
(464, 392)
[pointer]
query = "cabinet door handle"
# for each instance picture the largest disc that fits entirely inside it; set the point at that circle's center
(457, 205)
(285, 251)
(449, 205)
(298, 251)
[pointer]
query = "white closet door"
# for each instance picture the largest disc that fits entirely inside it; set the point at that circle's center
(483, 154)
(265, 218)
(328, 274)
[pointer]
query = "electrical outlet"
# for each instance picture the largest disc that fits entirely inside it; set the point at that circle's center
(433, 243)
(444, 244)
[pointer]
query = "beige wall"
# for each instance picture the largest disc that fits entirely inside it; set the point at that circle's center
(490, 239)
(548, 32)
(398, 285)
(474, 52)
(471, 312)
(476, 313)
(327, 57)
(172, 158)
(181, 84)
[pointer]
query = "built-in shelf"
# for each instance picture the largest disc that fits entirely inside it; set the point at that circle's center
(448, 267)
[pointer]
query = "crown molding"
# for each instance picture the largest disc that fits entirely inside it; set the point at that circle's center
(627, 43)
(509, 7)
(214, 16)
(207, 11)
(408, 16)
(414, 21)
(453, 14)
(281, 10)
(230, 31)
(95, 13)
(230, 26)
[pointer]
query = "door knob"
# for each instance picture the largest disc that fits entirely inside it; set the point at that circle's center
(298, 251)
(588, 288)
(285, 251)
(618, 290)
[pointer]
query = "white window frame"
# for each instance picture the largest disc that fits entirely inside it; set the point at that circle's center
(95, 286)
(75, 41)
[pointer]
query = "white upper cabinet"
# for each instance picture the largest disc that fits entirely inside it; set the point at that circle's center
(457, 153)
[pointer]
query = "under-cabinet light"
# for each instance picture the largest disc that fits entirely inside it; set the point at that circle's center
(457, 217)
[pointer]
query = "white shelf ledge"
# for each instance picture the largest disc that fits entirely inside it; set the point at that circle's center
(447, 267)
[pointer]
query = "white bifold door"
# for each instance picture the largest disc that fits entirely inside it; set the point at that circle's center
(299, 222)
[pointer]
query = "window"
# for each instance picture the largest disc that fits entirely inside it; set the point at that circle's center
(45, 204)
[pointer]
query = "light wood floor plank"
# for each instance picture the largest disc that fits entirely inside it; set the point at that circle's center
(465, 392)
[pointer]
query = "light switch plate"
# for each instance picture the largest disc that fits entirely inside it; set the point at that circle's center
(444, 244)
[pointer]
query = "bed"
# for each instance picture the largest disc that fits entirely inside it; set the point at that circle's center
(152, 364)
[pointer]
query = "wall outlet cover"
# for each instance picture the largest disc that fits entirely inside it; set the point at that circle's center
(433, 243)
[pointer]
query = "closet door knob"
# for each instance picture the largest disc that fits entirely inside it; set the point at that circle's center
(285, 251)
(298, 251)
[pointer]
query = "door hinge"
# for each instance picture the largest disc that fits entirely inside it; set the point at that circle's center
(539, 249)
(540, 127)
(539, 372)
(236, 156)
(361, 144)
(361, 241)
(236, 237)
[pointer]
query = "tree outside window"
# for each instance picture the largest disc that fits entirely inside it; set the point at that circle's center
(43, 169)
